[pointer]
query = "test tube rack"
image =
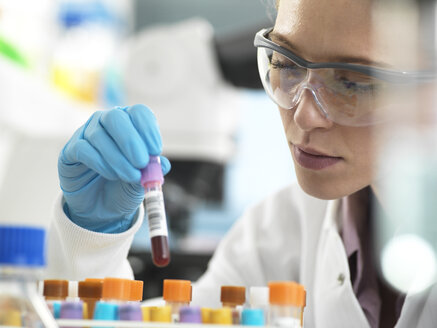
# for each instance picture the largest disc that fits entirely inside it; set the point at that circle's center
(134, 324)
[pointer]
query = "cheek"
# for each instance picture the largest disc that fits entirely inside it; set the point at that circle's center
(359, 143)
(353, 143)
(352, 174)
(359, 159)
(286, 118)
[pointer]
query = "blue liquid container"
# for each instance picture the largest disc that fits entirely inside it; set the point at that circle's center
(22, 258)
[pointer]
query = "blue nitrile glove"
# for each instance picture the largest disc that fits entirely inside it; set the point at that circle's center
(99, 167)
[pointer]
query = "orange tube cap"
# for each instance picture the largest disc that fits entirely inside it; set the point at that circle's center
(177, 290)
(287, 293)
(136, 290)
(116, 289)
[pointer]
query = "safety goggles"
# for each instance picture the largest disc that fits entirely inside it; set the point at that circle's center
(347, 94)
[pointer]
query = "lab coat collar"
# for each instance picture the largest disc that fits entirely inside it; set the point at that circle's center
(332, 220)
(335, 304)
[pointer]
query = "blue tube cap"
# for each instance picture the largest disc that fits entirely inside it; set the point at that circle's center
(106, 311)
(56, 309)
(252, 317)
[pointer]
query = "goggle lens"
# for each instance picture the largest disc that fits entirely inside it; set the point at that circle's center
(345, 97)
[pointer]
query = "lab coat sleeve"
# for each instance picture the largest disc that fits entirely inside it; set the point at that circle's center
(263, 245)
(231, 264)
(75, 253)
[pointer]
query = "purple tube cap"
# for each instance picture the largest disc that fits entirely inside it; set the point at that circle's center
(130, 312)
(190, 314)
(71, 310)
(153, 171)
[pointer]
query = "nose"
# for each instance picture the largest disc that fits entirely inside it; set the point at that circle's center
(309, 115)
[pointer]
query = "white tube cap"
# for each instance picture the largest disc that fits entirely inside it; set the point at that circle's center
(259, 297)
(73, 287)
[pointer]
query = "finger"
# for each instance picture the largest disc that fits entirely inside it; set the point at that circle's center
(120, 128)
(145, 123)
(82, 151)
(67, 157)
(71, 183)
(96, 135)
(165, 165)
(71, 168)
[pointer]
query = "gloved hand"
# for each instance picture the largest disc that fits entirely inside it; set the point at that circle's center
(99, 167)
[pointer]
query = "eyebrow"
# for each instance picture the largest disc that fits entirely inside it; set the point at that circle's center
(339, 58)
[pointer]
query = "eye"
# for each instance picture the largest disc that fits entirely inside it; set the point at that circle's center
(287, 69)
(279, 61)
(357, 82)
(282, 64)
(356, 85)
(359, 86)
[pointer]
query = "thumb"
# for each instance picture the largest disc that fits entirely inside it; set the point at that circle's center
(165, 165)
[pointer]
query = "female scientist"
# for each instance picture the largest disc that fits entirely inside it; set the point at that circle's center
(317, 233)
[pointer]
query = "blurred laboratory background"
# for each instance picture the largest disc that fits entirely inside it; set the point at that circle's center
(192, 62)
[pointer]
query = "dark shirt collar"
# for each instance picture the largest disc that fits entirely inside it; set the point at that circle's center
(381, 304)
(357, 238)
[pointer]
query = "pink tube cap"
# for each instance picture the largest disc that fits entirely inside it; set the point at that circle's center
(152, 172)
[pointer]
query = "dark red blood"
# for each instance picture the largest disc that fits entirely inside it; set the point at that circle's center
(160, 251)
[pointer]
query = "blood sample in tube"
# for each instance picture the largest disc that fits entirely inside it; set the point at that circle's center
(152, 180)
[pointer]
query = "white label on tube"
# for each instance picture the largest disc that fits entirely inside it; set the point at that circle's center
(156, 213)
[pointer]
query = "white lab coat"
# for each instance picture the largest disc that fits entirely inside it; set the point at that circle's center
(289, 236)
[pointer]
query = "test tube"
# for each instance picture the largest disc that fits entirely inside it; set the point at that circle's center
(131, 310)
(287, 300)
(259, 305)
(90, 292)
(115, 291)
(176, 293)
(73, 303)
(152, 180)
(234, 298)
(55, 291)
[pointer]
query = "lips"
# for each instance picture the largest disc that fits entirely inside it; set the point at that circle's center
(312, 159)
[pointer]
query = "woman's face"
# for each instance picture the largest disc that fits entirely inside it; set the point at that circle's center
(327, 31)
